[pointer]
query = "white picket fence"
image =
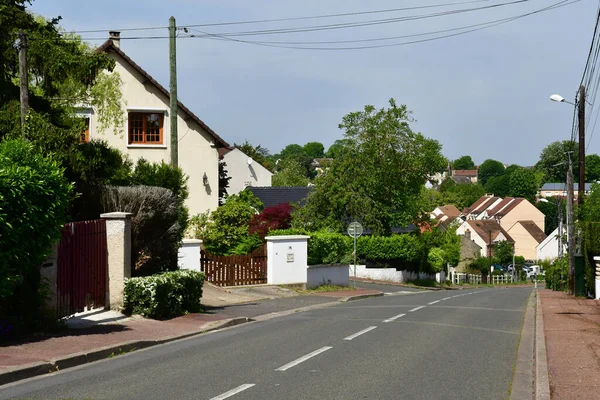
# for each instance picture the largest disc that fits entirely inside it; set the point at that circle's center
(458, 278)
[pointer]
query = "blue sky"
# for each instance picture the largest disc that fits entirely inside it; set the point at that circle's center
(483, 94)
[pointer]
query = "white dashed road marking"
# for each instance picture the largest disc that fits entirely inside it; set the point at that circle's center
(233, 391)
(416, 308)
(357, 334)
(394, 318)
(433, 302)
(446, 298)
(303, 358)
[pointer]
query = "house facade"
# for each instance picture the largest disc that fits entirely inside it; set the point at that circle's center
(243, 170)
(554, 189)
(527, 236)
(147, 130)
(484, 233)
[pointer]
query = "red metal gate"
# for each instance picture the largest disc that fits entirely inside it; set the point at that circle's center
(82, 263)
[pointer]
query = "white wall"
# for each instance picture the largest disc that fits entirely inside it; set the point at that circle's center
(196, 153)
(474, 237)
(391, 275)
(189, 254)
(287, 259)
(243, 174)
(548, 249)
(317, 275)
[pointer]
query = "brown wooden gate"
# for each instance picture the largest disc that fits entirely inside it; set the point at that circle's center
(249, 269)
(82, 263)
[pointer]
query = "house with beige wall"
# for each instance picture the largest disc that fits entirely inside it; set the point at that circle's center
(527, 236)
(243, 170)
(147, 130)
(484, 233)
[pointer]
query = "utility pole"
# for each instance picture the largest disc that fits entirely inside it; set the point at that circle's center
(570, 228)
(173, 92)
(581, 115)
(24, 82)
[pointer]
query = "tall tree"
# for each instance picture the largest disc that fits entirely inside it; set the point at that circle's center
(553, 161)
(488, 169)
(223, 181)
(314, 149)
(378, 179)
(523, 184)
(464, 162)
(592, 168)
(337, 148)
(290, 173)
(498, 185)
(292, 150)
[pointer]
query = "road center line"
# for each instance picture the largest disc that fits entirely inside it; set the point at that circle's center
(357, 334)
(303, 358)
(233, 391)
(446, 298)
(416, 308)
(394, 318)
(433, 302)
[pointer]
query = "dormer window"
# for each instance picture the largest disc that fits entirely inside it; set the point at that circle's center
(145, 127)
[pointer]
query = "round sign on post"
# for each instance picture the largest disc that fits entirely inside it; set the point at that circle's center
(355, 229)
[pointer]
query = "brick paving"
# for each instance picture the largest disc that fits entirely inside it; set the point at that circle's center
(572, 331)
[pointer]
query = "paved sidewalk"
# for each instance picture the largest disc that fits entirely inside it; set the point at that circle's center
(572, 331)
(42, 354)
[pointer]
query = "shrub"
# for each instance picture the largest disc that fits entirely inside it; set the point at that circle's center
(164, 295)
(156, 229)
(246, 245)
(197, 224)
(401, 249)
(271, 218)
(34, 196)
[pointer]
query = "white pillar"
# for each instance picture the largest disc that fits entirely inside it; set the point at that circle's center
(287, 259)
(597, 262)
(189, 254)
(118, 245)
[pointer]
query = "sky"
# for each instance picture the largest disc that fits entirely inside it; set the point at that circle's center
(484, 94)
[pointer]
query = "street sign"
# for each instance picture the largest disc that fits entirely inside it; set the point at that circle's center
(355, 229)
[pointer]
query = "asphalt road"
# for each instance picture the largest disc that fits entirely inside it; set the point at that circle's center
(427, 345)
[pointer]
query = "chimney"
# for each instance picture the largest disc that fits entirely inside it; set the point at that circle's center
(468, 234)
(115, 37)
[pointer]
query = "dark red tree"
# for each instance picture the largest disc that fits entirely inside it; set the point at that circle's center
(271, 218)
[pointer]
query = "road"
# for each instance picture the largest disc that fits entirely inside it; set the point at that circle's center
(426, 345)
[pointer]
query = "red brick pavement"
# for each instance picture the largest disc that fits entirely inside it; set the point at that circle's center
(572, 331)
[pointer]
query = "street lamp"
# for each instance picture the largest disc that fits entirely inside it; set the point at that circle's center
(559, 99)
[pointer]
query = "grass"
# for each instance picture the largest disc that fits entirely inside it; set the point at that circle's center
(324, 288)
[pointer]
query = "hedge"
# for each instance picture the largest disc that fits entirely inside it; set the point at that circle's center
(164, 295)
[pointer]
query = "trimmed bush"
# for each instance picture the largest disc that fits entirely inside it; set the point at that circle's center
(34, 196)
(164, 295)
(156, 230)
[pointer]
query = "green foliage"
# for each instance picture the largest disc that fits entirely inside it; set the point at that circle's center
(247, 245)
(291, 173)
(314, 150)
(229, 223)
(480, 265)
(197, 225)
(550, 211)
(223, 181)
(590, 211)
(464, 162)
(435, 258)
(337, 148)
(34, 196)
(450, 193)
(503, 252)
(488, 169)
(557, 274)
(164, 295)
(553, 160)
(523, 184)
(291, 151)
(156, 229)
(378, 178)
(590, 233)
(592, 168)
(498, 185)
(329, 248)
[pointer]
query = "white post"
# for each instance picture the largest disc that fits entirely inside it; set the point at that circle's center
(118, 245)
(597, 262)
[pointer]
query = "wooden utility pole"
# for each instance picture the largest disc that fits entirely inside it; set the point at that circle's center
(24, 82)
(173, 92)
(581, 115)
(570, 228)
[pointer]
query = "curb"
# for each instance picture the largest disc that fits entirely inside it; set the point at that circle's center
(73, 360)
(523, 375)
(542, 382)
(360, 297)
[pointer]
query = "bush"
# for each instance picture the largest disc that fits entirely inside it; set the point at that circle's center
(271, 218)
(34, 196)
(397, 250)
(156, 230)
(164, 295)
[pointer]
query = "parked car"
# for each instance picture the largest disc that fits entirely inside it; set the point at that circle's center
(535, 270)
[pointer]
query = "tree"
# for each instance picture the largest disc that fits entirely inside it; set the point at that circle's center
(314, 149)
(554, 161)
(523, 184)
(336, 149)
(223, 181)
(378, 179)
(291, 173)
(592, 168)
(464, 162)
(550, 210)
(292, 150)
(488, 169)
(591, 208)
(503, 252)
(271, 218)
(498, 185)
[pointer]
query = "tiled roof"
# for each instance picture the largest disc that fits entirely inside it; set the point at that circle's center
(272, 196)
(488, 229)
(475, 205)
(486, 204)
(224, 150)
(534, 230)
(450, 210)
(509, 207)
(108, 46)
(464, 172)
(461, 179)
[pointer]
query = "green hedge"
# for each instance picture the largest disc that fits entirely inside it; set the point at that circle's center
(164, 295)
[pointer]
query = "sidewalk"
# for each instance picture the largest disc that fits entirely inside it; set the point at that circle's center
(572, 331)
(43, 354)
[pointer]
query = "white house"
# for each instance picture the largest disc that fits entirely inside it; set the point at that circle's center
(243, 170)
(147, 130)
(484, 233)
(548, 249)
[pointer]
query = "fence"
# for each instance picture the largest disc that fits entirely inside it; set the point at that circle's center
(81, 267)
(249, 269)
(477, 279)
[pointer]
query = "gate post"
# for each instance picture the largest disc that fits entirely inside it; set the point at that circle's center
(118, 246)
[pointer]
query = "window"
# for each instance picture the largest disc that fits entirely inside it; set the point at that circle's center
(85, 134)
(145, 128)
